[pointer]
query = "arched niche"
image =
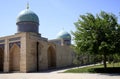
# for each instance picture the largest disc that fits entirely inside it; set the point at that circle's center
(51, 55)
(14, 57)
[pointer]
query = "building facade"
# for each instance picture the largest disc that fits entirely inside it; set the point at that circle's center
(28, 51)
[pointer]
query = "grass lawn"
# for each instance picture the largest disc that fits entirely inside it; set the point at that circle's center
(97, 69)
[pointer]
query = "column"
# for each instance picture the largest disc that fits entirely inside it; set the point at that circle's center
(6, 56)
(23, 51)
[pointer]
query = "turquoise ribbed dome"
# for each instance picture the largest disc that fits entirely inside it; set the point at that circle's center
(27, 15)
(63, 35)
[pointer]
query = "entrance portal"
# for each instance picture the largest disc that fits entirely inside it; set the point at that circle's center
(51, 57)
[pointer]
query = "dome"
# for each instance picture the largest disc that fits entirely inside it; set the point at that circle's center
(27, 15)
(64, 35)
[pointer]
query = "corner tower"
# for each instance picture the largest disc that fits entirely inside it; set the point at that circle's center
(27, 21)
(65, 36)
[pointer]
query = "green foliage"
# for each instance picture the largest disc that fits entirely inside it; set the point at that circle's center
(98, 34)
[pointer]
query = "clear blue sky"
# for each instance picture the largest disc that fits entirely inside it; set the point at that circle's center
(53, 14)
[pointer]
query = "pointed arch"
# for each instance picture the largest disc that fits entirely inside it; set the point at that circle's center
(51, 54)
(15, 58)
(1, 58)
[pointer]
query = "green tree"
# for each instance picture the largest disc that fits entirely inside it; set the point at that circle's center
(97, 34)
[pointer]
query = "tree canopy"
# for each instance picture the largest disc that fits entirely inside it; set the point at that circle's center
(98, 34)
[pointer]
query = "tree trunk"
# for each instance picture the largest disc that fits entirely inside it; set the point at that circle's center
(104, 61)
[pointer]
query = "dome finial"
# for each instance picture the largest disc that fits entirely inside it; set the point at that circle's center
(27, 5)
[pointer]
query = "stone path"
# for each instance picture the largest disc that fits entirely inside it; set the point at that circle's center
(58, 76)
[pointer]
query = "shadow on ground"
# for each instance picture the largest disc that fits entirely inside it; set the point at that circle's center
(103, 70)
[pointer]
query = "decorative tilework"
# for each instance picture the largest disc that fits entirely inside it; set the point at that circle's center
(14, 39)
(1, 41)
(2, 45)
(11, 44)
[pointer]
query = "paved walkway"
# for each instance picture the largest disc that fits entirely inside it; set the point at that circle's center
(58, 76)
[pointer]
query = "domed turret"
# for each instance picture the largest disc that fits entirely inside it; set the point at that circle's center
(63, 35)
(27, 21)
